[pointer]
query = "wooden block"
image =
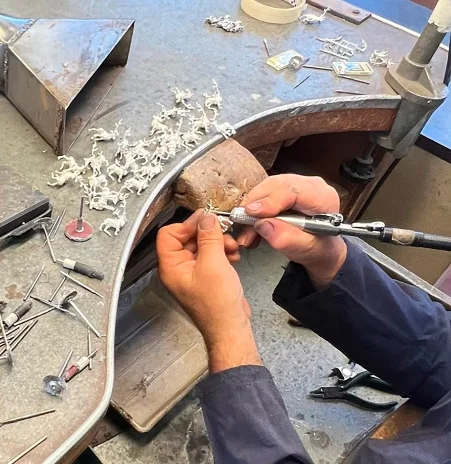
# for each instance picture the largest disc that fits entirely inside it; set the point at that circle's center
(267, 154)
(342, 9)
(223, 176)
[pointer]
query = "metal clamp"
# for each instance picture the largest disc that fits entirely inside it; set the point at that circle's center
(336, 219)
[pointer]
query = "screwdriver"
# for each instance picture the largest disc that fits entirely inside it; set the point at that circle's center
(81, 364)
(332, 224)
(81, 268)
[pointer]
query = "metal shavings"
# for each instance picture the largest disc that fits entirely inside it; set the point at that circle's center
(143, 384)
(68, 171)
(226, 129)
(255, 96)
(117, 222)
(131, 165)
(209, 208)
(102, 135)
(341, 48)
(96, 160)
(275, 100)
(225, 23)
(213, 102)
(202, 124)
(182, 96)
(311, 18)
(380, 58)
(225, 223)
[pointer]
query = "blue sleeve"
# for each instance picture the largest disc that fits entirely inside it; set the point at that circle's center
(390, 328)
(246, 419)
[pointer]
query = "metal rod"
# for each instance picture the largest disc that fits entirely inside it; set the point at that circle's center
(57, 289)
(7, 345)
(35, 281)
(301, 82)
(355, 79)
(52, 236)
(16, 342)
(30, 448)
(52, 306)
(426, 45)
(351, 92)
(28, 416)
(76, 281)
(265, 42)
(28, 319)
(89, 348)
(11, 330)
(49, 244)
(16, 336)
(12, 336)
(79, 227)
(322, 68)
(77, 309)
(55, 222)
(66, 362)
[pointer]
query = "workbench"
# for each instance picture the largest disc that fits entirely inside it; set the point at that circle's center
(171, 45)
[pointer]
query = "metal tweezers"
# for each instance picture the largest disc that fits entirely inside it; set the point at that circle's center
(339, 392)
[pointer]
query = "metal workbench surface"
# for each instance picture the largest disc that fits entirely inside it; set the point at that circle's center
(171, 45)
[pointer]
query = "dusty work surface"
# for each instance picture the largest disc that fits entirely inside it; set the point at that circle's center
(171, 45)
(299, 360)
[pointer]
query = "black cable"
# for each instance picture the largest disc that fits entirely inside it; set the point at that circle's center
(447, 78)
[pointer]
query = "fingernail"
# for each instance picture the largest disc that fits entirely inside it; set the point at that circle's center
(207, 221)
(265, 228)
(254, 206)
(240, 241)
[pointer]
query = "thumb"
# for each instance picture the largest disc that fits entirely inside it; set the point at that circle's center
(284, 237)
(210, 239)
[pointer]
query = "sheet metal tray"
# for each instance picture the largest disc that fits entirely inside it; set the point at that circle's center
(159, 356)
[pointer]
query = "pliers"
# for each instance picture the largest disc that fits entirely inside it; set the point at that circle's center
(350, 370)
(339, 392)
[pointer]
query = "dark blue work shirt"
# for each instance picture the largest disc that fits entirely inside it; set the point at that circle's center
(390, 328)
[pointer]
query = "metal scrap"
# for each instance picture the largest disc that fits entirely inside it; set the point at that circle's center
(311, 18)
(341, 48)
(380, 58)
(225, 23)
(133, 164)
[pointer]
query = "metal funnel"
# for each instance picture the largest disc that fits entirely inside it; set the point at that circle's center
(57, 72)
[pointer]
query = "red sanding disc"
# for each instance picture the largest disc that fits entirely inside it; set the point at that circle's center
(84, 234)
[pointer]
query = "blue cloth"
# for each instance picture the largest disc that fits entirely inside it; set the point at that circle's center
(390, 328)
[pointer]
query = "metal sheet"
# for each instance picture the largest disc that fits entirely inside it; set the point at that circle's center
(175, 47)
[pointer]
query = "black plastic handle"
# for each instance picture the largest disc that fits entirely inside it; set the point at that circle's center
(369, 404)
(88, 271)
(413, 238)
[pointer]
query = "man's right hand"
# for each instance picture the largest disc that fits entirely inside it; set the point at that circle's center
(321, 256)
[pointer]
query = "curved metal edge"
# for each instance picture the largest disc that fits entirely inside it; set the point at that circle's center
(280, 112)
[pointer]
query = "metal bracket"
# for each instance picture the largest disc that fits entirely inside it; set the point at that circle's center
(420, 93)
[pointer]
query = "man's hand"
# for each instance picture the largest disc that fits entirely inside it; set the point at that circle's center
(321, 256)
(194, 266)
